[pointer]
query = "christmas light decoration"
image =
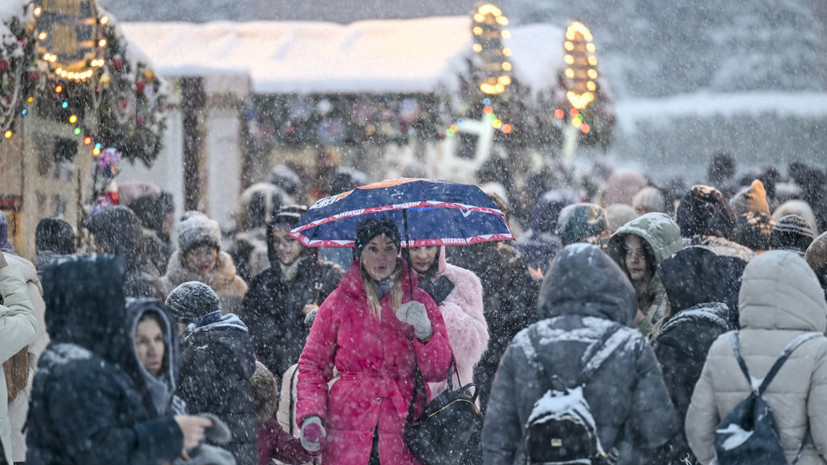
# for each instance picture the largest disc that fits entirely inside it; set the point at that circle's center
(70, 40)
(17, 79)
(487, 30)
(580, 71)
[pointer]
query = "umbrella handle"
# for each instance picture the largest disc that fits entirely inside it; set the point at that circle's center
(408, 244)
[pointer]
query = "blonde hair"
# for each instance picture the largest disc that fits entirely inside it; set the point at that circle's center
(373, 299)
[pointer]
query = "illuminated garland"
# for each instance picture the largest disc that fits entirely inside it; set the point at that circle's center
(487, 30)
(69, 38)
(581, 63)
(18, 75)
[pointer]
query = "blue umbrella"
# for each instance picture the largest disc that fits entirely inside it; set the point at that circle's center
(427, 212)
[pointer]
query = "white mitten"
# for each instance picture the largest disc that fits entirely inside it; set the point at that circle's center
(414, 314)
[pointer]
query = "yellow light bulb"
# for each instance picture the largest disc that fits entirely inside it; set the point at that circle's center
(590, 47)
(477, 48)
(506, 66)
(591, 86)
(569, 73)
(38, 11)
(506, 34)
(479, 18)
(477, 30)
(8, 134)
(102, 43)
(504, 80)
(97, 151)
(568, 59)
(104, 19)
(497, 123)
(568, 46)
(592, 73)
(42, 36)
(73, 119)
(502, 21)
(507, 52)
(592, 60)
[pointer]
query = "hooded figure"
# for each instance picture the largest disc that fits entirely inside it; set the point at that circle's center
(583, 222)
(275, 305)
(780, 299)
(217, 361)
(706, 220)
(257, 207)
(694, 281)
(656, 238)
(157, 389)
(584, 295)
(155, 211)
(85, 408)
(540, 243)
(53, 237)
(119, 232)
(200, 258)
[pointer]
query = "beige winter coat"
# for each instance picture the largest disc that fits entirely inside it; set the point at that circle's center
(20, 406)
(780, 298)
(18, 328)
(223, 280)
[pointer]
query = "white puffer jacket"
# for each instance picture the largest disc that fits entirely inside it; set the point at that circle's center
(780, 298)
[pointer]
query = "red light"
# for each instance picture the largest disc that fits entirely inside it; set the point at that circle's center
(585, 128)
(573, 112)
(559, 113)
(507, 128)
(58, 88)
(87, 140)
(488, 109)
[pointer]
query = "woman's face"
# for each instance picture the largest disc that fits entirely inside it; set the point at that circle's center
(287, 249)
(149, 343)
(423, 257)
(636, 263)
(201, 259)
(379, 257)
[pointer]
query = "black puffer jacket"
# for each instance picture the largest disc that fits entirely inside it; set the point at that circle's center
(584, 295)
(509, 302)
(217, 362)
(85, 408)
(272, 308)
(695, 281)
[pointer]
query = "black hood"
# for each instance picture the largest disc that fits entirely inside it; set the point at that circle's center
(693, 276)
(85, 303)
(584, 281)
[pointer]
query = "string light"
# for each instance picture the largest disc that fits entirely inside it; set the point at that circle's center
(83, 61)
(488, 33)
(580, 61)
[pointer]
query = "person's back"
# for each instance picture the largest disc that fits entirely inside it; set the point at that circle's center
(584, 296)
(217, 360)
(780, 299)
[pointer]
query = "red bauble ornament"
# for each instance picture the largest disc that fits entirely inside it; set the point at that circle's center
(4, 66)
(140, 87)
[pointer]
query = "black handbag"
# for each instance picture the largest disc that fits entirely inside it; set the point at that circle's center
(440, 435)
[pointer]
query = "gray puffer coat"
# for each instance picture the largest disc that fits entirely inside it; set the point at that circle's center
(780, 298)
(584, 295)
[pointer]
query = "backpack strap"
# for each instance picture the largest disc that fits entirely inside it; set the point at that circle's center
(776, 367)
(593, 357)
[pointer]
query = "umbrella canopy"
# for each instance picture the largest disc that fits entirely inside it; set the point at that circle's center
(427, 212)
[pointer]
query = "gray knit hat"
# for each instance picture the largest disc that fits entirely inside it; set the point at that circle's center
(192, 300)
(198, 229)
(791, 232)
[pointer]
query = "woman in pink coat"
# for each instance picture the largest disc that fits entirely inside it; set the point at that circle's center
(375, 336)
(458, 293)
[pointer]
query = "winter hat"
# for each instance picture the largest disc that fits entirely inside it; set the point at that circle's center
(751, 199)
(198, 229)
(119, 232)
(54, 235)
(258, 205)
(705, 211)
(5, 245)
(648, 200)
(347, 178)
(265, 392)
(288, 216)
(191, 300)
(619, 214)
(372, 227)
(582, 222)
(693, 276)
(797, 207)
(792, 233)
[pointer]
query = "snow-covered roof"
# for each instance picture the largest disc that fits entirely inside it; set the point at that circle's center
(377, 56)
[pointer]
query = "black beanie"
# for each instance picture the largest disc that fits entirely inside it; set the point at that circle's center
(791, 232)
(372, 227)
(191, 300)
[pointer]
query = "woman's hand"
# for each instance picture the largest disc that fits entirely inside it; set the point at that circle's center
(414, 314)
(312, 434)
(193, 429)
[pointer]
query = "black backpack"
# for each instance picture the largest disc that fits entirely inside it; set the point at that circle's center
(561, 428)
(748, 435)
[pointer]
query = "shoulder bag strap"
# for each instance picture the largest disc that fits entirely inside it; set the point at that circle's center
(788, 350)
(736, 349)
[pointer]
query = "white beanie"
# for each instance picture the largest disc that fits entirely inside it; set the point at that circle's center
(197, 229)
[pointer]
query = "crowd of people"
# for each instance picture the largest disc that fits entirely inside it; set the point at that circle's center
(145, 340)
